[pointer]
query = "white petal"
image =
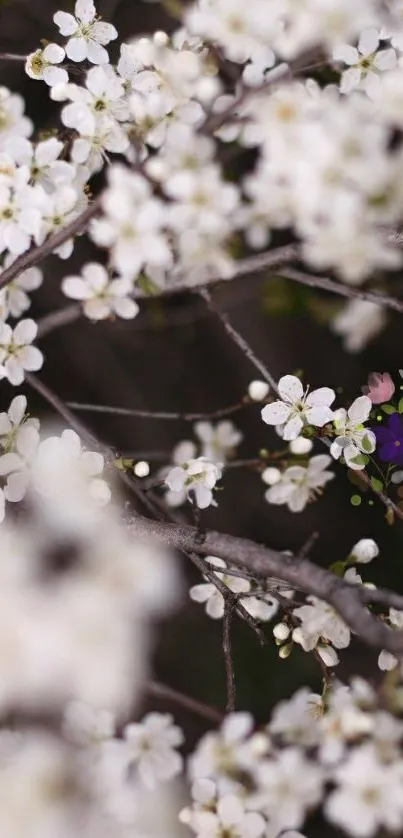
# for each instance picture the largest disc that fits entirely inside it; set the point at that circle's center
(16, 486)
(17, 409)
(31, 358)
(97, 54)
(276, 413)
(14, 371)
(202, 592)
(299, 499)
(25, 331)
(369, 42)
(85, 10)
(360, 409)
(318, 415)
(280, 493)
(385, 59)
(76, 49)
(125, 308)
(55, 75)
(8, 463)
(66, 23)
(350, 80)
(75, 288)
(103, 32)
(290, 388)
(54, 53)
(347, 54)
(293, 428)
(322, 396)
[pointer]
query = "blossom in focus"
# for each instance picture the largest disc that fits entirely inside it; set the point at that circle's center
(16, 353)
(319, 621)
(86, 33)
(197, 477)
(380, 387)
(389, 438)
(41, 65)
(353, 438)
(101, 296)
(298, 407)
(365, 62)
(151, 748)
(299, 484)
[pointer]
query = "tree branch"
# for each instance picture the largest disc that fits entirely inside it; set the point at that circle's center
(325, 284)
(37, 254)
(158, 690)
(347, 599)
(163, 415)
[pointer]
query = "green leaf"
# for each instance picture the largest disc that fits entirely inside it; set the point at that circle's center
(359, 460)
(367, 444)
(376, 484)
(400, 405)
(388, 409)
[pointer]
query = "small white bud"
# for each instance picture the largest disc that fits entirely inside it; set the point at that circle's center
(365, 550)
(386, 661)
(160, 38)
(142, 469)
(285, 651)
(281, 631)
(328, 655)
(271, 476)
(258, 390)
(208, 89)
(301, 445)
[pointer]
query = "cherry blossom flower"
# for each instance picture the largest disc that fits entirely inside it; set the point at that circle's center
(353, 438)
(368, 795)
(298, 407)
(14, 299)
(102, 296)
(261, 608)
(40, 65)
(198, 477)
(380, 387)
(319, 621)
(365, 63)
(43, 162)
(284, 801)
(13, 122)
(230, 817)
(16, 352)
(299, 485)
(151, 748)
(87, 35)
(218, 442)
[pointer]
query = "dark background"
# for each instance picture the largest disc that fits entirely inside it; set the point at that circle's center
(176, 356)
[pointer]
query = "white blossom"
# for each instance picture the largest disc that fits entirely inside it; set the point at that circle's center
(299, 484)
(262, 608)
(101, 295)
(86, 33)
(297, 407)
(218, 442)
(353, 438)
(151, 748)
(198, 477)
(365, 62)
(42, 64)
(358, 323)
(318, 620)
(17, 355)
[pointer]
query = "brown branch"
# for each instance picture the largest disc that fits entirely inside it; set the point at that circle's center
(163, 415)
(325, 284)
(240, 341)
(158, 690)
(301, 574)
(11, 56)
(37, 254)
(227, 650)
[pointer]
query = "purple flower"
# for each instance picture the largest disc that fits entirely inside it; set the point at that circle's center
(389, 440)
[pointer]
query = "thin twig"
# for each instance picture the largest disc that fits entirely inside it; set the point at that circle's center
(240, 341)
(155, 688)
(11, 56)
(325, 284)
(227, 650)
(163, 415)
(310, 542)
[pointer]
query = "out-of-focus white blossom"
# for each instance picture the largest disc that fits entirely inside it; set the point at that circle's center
(299, 484)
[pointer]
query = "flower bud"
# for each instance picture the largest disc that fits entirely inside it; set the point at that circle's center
(142, 469)
(365, 550)
(258, 390)
(271, 475)
(301, 445)
(285, 651)
(281, 631)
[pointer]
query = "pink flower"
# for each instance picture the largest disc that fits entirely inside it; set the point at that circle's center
(380, 387)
